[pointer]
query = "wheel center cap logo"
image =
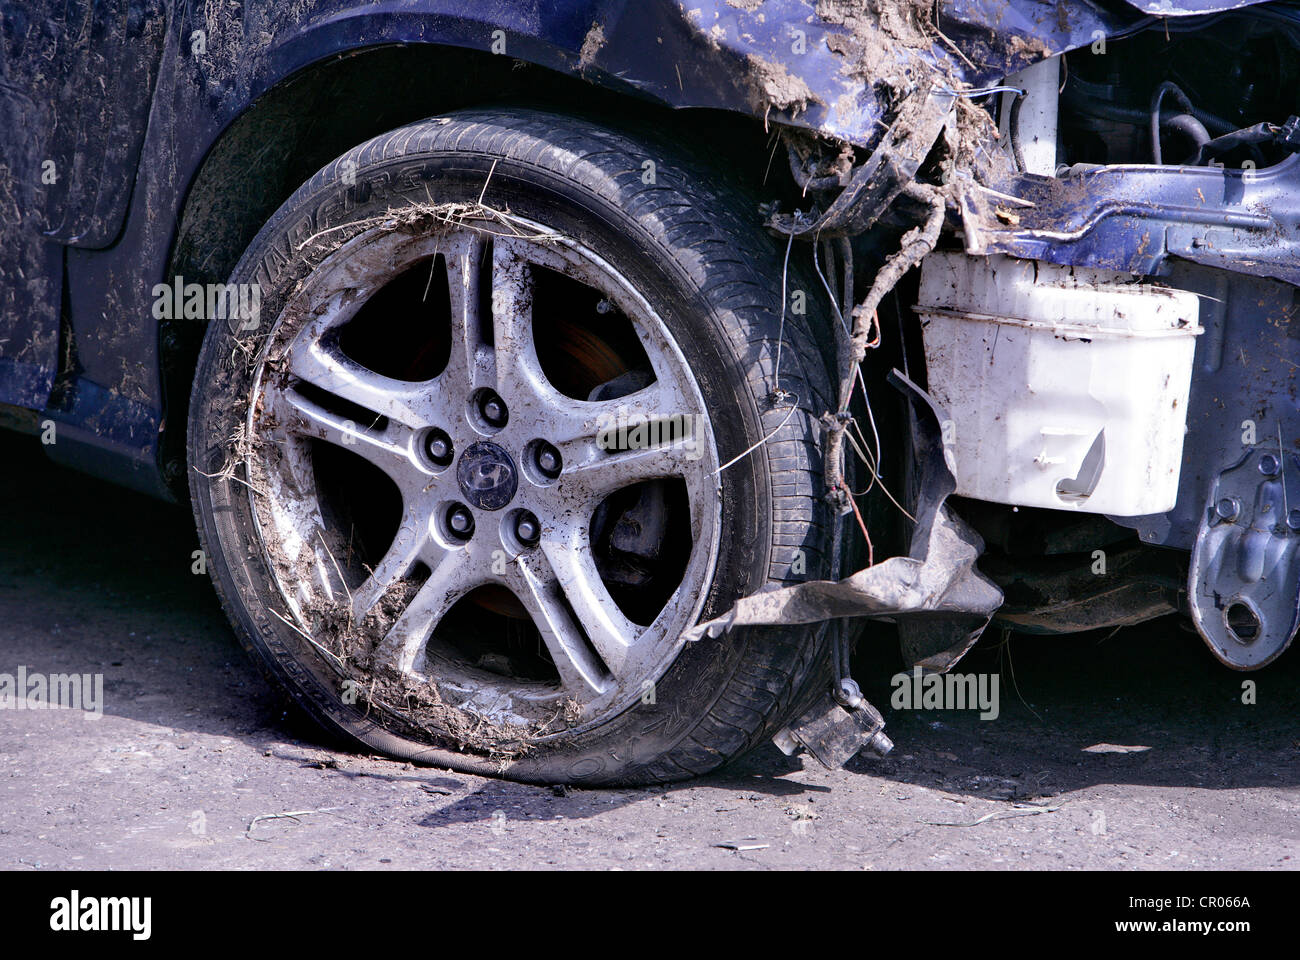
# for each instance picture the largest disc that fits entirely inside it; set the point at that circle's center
(487, 476)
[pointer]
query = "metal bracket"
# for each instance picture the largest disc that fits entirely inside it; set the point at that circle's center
(833, 734)
(1244, 581)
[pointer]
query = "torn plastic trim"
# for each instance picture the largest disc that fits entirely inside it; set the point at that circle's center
(936, 584)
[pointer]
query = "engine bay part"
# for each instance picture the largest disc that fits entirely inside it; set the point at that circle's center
(1146, 200)
(1067, 387)
(1029, 118)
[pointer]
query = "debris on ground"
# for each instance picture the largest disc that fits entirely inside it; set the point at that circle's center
(741, 846)
(294, 815)
(1023, 809)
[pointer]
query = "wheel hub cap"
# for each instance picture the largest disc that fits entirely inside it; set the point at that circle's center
(487, 476)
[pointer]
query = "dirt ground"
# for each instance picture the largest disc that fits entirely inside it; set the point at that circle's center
(193, 747)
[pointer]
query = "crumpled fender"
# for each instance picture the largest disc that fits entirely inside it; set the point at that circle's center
(794, 60)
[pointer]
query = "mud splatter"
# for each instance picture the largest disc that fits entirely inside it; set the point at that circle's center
(773, 86)
(591, 45)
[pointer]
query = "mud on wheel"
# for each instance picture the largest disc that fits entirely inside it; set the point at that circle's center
(460, 486)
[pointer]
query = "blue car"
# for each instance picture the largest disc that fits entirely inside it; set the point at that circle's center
(563, 390)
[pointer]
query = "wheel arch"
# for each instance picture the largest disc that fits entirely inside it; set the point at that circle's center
(309, 118)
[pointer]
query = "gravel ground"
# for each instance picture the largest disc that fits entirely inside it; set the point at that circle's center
(194, 747)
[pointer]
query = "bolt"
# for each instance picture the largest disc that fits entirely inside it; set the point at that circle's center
(1293, 519)
(493, 409)
(879, 745)
(548, 460)
(848, 694)
(1268, 465)
(1228, 508)
(438, 446)
(527, 528)
(460, 521)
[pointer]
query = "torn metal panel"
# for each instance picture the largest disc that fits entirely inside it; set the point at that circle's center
(1134, 218)
(936, 584)
(878, 181)
(838, 67)
(1190, 8)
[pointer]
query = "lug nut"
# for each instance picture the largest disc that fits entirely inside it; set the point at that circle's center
(461, 521)
(527, 529)
(548, 461)
(438, 446)
(493, 409)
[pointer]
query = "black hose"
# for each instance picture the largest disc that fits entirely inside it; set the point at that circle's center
(1088, 106)
(1013, 127)
(1259, 133)
(1172, 88)
(805, 180)
(1192, 128)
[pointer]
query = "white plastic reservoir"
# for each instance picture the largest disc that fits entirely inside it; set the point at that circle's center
(1066, 387)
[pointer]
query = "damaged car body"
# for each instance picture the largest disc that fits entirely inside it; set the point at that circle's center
(597, 374)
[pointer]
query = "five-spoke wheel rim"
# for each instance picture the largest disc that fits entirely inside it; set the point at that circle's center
(500, 474)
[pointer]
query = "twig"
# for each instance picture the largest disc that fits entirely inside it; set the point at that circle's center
(1019, 810)
(309, 638)
(483, 192)
(290, 815)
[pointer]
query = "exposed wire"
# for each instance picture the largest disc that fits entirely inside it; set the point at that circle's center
(780, 330)
(871, 550)
(741, 456)
(981, 92)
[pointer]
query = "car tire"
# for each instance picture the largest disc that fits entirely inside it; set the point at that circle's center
(576, 229)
